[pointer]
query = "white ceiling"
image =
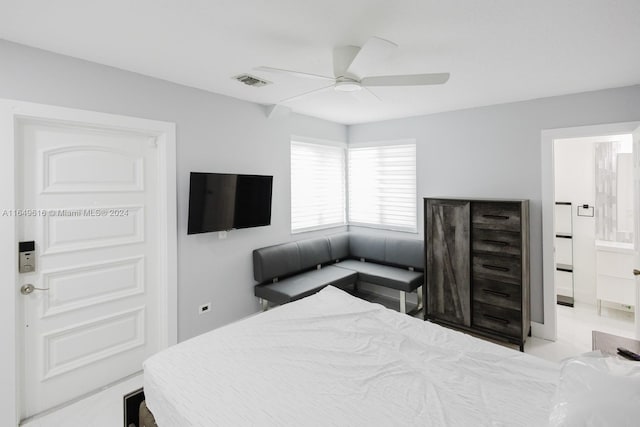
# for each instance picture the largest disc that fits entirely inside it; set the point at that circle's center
(496, 50)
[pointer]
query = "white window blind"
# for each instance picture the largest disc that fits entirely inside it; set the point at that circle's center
(382, 186)
(317, 186)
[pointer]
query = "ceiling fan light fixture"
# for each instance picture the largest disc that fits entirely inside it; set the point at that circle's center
(351, 65)
(347, 86)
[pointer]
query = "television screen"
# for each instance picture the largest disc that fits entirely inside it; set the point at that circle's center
(220, 202)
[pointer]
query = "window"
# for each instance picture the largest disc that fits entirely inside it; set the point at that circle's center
(382, 186)
(317, 186)
(614, 189)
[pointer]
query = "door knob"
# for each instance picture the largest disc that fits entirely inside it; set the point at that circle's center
(636, 272)
(29, 288)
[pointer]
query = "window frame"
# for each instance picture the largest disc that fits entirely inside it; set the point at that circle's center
(319, 142)
(384, 143)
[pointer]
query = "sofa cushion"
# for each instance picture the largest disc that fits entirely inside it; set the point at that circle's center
(367, 246)
(305, 284)
(384, 275)
(313, 252)
(339, 246)
(276, 261)
(404, 252)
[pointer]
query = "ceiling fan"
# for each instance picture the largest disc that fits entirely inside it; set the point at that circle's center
(351, 65)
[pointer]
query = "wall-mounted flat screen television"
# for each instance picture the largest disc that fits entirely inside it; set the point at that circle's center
(222, 201)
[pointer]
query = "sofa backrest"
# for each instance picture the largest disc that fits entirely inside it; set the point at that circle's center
(290, 258)
(404, 252)
(366, 246)
(276, 261)
(396, 251)
(313, 252)
(339, 246)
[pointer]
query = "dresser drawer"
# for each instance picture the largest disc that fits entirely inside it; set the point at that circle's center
(496, 216)
(497, 319)
(499, 268)
(498, 242)
(499, 294)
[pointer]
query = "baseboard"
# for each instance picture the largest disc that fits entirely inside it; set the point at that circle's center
(538, 331)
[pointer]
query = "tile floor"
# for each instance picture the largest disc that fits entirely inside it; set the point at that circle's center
(574, 331)
(105, 409)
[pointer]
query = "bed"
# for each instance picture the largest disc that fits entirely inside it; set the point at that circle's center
(332, 359)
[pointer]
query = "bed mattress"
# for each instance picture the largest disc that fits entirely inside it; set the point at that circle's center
(334, 360)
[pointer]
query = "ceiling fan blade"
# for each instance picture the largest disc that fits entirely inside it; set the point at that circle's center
(294, 73)
(374, 51)
(408, 80)
(304, 94)
(371, 93)
(342, 58)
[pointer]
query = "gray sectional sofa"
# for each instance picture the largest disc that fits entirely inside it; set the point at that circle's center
(294, 270)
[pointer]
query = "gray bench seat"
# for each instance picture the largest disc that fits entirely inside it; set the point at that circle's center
(384, 275)
(304, 284)
(294, 270)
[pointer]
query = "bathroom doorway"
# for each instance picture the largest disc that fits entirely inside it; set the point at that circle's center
(594, 237)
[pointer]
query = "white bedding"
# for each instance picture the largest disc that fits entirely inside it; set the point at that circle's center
(335, 360)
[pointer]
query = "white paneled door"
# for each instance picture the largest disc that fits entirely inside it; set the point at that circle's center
(88, 198)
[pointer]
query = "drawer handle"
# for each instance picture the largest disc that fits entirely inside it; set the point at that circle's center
(497, 293)
(502, 217)
(494, 267)
(496, 242)
(496, 319)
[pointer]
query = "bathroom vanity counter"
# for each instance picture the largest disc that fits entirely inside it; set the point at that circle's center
(614, 267)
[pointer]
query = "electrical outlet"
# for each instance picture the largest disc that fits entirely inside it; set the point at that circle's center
(204, 308)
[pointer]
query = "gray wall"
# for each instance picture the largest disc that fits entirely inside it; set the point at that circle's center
(482, 152)
(496, 151)
(214, 133)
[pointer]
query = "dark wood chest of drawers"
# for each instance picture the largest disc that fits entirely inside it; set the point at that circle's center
(477, 266)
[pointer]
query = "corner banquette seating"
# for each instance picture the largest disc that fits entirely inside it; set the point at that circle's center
(294, 270)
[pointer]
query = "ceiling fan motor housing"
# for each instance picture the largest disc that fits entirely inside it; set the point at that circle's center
(347, 85)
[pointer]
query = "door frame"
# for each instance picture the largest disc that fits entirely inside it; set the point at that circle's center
(548, 330)
(10, 314)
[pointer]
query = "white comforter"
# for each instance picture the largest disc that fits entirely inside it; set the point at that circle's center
(335, 360)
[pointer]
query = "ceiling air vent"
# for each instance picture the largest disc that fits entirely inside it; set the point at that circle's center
(251, 80)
